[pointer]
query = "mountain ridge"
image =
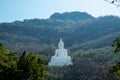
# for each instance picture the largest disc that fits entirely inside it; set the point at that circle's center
(71, 16)
(48, 31)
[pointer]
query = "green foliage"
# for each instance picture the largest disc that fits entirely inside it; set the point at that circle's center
(8, 63)
(48, 51)
(92, 64)
(31, 67)
(116, 44)
(115, 70)
(27, 67)
(34, 35)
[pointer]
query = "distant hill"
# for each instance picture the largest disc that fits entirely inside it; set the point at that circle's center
(76, 28)
(71, 16)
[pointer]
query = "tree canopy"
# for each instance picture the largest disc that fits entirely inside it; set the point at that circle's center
(29, 66)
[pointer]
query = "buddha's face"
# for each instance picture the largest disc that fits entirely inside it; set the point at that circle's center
(61, 44)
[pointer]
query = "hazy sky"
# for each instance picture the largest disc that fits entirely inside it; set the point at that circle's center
(11, 10)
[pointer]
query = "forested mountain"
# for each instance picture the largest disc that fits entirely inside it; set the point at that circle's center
(71, 16)
(87, 38)
(75, 28)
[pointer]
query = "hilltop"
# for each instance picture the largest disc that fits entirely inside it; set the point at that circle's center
(76, 28)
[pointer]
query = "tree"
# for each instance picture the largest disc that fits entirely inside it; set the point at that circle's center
(116, 44)
(115, 70)
(8, 63)
(31, 67)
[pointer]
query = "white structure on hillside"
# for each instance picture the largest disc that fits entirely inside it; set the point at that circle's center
(61, 57)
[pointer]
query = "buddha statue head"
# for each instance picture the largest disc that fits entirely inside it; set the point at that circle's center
(61, 44)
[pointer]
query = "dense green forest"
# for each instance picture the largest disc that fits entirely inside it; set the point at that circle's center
(87, 38)
(28, 66)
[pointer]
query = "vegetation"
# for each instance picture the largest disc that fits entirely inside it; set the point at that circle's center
(93, 64)
(26, 67)
(117, 45)
(115, 70)
(85, 32)
(87, 39)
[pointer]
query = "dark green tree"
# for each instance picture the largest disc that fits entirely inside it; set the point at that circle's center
(8, 63)
(27, 67)
(31, 67)
(115, 70)
(116, 44)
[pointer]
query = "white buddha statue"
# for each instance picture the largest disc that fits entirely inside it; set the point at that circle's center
(61, 57)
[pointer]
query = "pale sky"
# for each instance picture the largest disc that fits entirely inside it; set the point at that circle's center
(11, 10)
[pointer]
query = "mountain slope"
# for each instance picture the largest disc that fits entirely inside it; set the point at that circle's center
(73, 30)
(97, 43)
